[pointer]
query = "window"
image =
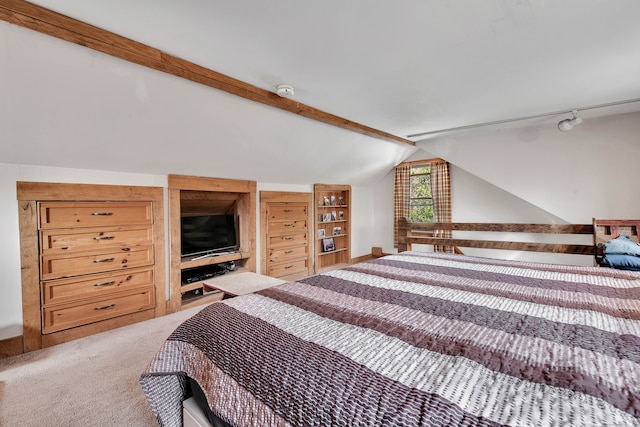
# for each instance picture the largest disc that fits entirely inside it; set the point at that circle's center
(422, 193)
(420, 197)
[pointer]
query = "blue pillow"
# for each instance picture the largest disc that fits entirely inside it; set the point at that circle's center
(623, 244)
(623, 262)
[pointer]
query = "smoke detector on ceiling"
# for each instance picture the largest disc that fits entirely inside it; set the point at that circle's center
(285, 91)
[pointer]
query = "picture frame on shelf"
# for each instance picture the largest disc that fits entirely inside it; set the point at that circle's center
(337, 231)
(326, 217)
(326, 201)
(333, 200)
(341, 215)
(334, 216)
(341, 200)
(321, 233)
(328, 244)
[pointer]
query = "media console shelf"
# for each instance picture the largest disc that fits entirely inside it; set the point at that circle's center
(190, 195)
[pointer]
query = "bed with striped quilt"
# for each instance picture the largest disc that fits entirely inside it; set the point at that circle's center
(415, 339)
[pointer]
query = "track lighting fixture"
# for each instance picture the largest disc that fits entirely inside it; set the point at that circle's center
(564, 125)
(568, 124)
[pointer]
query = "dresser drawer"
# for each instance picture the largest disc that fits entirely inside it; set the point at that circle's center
(279, 255)
(287, 212)
(63, 316)
(287, 226)
(67, 265)
(94, 214)
(293, 239)
(287, 268)
(65, 290)
(89, 239)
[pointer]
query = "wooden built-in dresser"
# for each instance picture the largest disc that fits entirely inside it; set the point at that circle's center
(96, 261)
(92, 259)
(286, 227)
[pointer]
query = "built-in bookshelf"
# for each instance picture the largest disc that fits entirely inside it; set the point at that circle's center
(332, 205)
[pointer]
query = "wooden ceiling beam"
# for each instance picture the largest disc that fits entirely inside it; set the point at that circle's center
(45, 21)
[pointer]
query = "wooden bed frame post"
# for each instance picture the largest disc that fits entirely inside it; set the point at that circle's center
(402, 235)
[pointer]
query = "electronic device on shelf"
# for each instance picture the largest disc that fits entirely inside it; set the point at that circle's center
(214, 254)
(199, 274)
(203, 236)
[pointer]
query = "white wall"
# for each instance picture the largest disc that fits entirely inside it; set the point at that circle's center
(577, 175)
(10, 289)
(533, 173)
(362, 220)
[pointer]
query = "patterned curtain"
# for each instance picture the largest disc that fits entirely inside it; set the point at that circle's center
(401, 195)
(441, 192)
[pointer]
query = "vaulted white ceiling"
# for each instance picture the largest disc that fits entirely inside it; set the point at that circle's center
(404, 67)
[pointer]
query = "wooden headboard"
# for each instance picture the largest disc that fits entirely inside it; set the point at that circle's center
(607, 229)
(422, 233)
(602, 230)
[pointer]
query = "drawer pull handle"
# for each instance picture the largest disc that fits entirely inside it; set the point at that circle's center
(104, 237)
(113, 282)
(290, 251)
(288, 225)
(103, 260)
(288, 238)
(101, 213)
(104, 307)
(288, 210)
(288, 267)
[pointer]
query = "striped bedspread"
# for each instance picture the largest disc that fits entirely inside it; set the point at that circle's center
(415, 339)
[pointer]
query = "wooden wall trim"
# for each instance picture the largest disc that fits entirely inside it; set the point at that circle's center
(10, 347)
(43, 191)
(286, 197)
(362, 258)
(198, 183)
(422, 162)
(45, 21)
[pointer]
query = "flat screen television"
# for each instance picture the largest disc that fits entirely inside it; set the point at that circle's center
(208, 234)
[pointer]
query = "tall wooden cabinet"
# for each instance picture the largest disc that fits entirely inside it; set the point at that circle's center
(190, 195)
(286, 223)
(92, 259)
(332, 226)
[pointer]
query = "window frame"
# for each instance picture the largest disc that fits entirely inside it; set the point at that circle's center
(411, 198)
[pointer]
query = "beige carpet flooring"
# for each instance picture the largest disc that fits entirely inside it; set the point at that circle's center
(92, 381)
